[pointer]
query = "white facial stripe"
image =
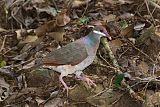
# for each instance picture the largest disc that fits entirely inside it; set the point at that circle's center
(98, 32)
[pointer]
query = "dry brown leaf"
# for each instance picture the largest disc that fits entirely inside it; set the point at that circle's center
(41, 31)
(133, 40)
(62, 19)
(126, 16)
(4, 89)
(78, 3)
(49, 10)
(21, 57)
(112, 2)
(47, 27)
(9, 3)
(56, 102)
(156, 37)
(128, 31)
(146, 34)
(110, 17)
(104, 99)
(50, 26)
(152, 99)
(113, 28)
(109, 3)
(157, 70)
(96, 23)
(58, 36)
(125, 1)
(30, 38)
(29, 65)
(115, 44)
(17, 96)
(144, 67)
(80, 92)
(43, 6)
(2, 30)
(38, 1)
(20, 33)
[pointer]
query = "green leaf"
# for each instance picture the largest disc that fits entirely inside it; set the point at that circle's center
(84, 20)
(123, 24)
(118, 80)
(2, 64)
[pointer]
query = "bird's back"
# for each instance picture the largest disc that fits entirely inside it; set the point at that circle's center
(71, 54)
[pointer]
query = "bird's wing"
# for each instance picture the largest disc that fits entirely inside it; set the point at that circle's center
(71, 54)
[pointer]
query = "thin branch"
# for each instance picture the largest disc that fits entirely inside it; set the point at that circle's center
(3, 43)
(141, 52)
(85, 9)
(115, 63)
(146, 2)
(103, 58)
(53, 1)
(154, 4)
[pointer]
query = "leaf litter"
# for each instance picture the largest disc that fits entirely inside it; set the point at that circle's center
(31, 29)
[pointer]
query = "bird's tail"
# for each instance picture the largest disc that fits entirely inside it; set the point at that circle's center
(33, 64)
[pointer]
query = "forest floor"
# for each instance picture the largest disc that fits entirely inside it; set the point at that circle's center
(126, 69)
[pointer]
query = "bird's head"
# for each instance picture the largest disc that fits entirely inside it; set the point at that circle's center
(101, 30)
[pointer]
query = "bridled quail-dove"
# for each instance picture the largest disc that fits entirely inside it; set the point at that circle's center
(74, 57)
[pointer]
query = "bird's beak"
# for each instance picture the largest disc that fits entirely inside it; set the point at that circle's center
(90, 26)
(103, 30)
(107, 34)
(98, 32)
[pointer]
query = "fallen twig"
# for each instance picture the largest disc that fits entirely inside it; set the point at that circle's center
(146, 2)
(85, 9)
(53, 1)
(103, 58)
(141, 51)
(154, 4)
(110, 53)
(3, 43)
(115, 63)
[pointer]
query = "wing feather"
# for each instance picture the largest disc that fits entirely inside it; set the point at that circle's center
(70, 54)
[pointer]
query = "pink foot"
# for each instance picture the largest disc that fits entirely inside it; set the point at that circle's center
(89, 82)
(64, 84)
(86, 79)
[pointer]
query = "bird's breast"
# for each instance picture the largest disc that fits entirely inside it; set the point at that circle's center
(69, 69)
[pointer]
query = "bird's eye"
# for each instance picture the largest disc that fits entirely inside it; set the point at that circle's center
(101, 30)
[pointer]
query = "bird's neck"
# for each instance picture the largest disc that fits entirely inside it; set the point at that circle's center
(93, 41)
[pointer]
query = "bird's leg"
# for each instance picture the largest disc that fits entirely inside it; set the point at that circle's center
(85, 78)
(89, 81)
(64, 84)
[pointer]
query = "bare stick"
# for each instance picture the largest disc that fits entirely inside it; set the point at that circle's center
(115, 63)
(3, 43)
(146, 2)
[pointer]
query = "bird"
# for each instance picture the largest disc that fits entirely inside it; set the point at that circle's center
(74, 57)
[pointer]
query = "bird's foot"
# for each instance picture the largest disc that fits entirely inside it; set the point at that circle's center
(66, 88)
(86, 79)
(89, 82)
(64, 84)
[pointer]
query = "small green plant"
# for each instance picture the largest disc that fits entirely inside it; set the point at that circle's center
(123, 24)
(84, 20)
(118, 80)
(2, 63)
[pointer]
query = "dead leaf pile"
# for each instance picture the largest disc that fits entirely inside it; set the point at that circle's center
(29, 29)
